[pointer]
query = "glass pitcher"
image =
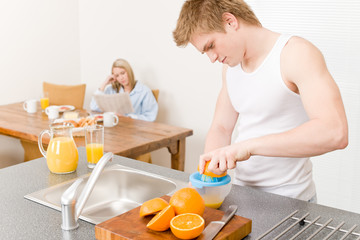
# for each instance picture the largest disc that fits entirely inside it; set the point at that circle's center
(61, 155)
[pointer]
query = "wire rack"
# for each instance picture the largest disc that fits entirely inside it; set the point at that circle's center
(292, 227)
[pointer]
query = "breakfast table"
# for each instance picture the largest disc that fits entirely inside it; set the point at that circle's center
(129, 138)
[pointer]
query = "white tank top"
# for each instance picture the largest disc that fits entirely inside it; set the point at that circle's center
(266, 105)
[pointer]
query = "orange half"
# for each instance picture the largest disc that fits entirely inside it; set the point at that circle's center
(153, 206)
(211, 174)
(187, 225)
(161, 221)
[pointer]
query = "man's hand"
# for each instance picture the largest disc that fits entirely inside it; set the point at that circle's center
(224, 158)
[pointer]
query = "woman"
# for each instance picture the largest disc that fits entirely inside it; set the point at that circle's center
(122, 81)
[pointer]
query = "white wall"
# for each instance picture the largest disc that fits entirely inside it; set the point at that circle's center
(141, 32)
(39, 42)
(58, 40)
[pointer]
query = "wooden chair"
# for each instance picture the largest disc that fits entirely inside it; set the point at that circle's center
(147, 156)
(58, 95)
(65, 94)
(156, 94)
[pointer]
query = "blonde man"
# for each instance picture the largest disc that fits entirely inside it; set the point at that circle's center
(277, 87)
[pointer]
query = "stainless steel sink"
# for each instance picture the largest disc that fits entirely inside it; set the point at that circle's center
(118, 189)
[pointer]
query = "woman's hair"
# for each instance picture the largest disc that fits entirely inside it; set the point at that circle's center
(122, 63)
(206, 16)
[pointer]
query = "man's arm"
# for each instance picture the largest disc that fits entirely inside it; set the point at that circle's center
(223, 123)
(304, 71)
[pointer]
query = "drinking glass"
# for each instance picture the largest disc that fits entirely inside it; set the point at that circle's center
(44, 101)
(94, 140)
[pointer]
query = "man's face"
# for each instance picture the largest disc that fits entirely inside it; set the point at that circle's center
(222, 47)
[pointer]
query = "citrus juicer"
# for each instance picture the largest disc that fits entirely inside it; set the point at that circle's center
(213, 188)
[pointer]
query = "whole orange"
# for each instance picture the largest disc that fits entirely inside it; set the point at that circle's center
(187, 200)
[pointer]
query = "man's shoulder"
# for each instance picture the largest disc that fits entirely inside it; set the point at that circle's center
(300, 56)
(299, 51)
(297, 45)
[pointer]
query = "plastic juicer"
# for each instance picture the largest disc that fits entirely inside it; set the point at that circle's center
(213, 192)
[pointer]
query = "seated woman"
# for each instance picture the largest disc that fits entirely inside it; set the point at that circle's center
(122, 80)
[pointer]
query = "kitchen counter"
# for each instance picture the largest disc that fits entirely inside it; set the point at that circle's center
(24, 219)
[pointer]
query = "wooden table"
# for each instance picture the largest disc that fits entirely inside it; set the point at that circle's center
(130, 138)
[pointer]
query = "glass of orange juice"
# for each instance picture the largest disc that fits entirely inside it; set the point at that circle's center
(44, 101)
(94, 140)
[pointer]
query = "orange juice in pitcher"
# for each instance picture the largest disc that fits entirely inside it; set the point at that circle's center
(61, 155)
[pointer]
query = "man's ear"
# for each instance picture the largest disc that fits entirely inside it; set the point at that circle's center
(230, 20)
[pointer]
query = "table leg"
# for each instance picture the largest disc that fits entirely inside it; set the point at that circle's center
(144, 158)
(177, 151)
(31, 150)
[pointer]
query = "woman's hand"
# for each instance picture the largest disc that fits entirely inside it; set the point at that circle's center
(107, 81)
(110, 79)
(224, 158)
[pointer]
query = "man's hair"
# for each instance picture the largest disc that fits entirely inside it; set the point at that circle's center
(206, 16)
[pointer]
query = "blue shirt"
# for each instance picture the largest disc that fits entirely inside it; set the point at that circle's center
(142, 99)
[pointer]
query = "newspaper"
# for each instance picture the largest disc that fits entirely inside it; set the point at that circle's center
(119, 103)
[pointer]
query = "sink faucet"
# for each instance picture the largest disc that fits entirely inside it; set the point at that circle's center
(71, 205)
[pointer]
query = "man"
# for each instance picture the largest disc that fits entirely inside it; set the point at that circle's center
(277, 87)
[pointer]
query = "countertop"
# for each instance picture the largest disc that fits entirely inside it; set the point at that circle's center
(24, 219)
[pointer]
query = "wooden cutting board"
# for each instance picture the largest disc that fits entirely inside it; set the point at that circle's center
(130, 225)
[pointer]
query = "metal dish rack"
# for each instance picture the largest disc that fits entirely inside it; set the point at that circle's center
(301, 228)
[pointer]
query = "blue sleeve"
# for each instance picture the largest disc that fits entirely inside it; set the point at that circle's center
(149, 108)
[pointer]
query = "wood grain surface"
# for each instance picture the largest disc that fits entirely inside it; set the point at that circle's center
(130, 138)
(130, 225)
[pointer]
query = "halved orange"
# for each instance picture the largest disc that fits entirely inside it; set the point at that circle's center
(211, 174)
(153, 206)
(187, 200)
(187, 225)
(161, 221)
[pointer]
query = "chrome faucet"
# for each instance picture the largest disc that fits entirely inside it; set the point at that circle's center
(71, 205)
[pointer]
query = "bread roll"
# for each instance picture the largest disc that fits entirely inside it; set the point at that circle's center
(73, 122)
